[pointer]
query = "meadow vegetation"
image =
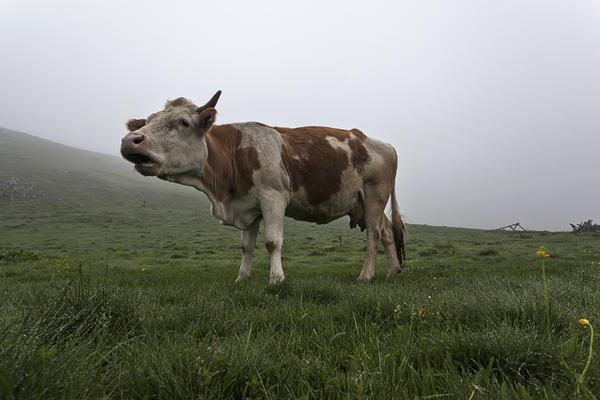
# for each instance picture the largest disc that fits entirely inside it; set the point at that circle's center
(141, 303)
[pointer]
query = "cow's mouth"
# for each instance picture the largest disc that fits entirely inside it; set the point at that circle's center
(138, 158)
(144, 164)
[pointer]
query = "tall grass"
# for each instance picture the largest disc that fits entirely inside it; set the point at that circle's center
(154, 334)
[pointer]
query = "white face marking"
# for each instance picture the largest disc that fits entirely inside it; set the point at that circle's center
(179, 147)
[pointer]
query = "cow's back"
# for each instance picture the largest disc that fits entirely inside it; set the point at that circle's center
(327, 168)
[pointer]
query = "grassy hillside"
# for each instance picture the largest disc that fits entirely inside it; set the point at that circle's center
(35, 172)
(101, 297)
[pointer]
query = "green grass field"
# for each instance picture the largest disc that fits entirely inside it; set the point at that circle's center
(143, 305)
(105, 296)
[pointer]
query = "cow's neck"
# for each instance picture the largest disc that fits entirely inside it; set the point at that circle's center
(218, 174)
(215, 179)
(226, 175)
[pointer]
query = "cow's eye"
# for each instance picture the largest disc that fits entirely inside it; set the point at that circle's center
(184, 123)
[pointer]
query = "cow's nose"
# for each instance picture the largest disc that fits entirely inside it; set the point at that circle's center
(133, 140)
(138, 139)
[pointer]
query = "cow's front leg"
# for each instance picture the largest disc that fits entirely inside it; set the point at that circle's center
(273, 211)
(248, 243)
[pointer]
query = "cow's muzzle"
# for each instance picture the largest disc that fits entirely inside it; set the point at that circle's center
(133, 150)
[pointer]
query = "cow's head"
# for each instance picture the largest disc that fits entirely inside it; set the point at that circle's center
(170, 142)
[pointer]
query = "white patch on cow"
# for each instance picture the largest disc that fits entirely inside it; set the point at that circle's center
(379, 153)
(237, 212)
(264, 139)
(267, 142)
(336, 144)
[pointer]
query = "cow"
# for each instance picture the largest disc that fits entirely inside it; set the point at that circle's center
(252, 172)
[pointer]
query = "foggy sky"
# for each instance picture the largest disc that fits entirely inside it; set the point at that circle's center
(493, 107)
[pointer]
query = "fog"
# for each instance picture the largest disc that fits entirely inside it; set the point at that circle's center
(492, 107)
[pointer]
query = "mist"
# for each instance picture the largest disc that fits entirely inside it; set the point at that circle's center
(492, 107)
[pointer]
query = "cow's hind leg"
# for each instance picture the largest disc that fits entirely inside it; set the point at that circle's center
(248, 243)
(374, 211)
(387, 238)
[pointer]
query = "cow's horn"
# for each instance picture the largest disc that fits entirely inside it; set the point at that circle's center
(211, 103)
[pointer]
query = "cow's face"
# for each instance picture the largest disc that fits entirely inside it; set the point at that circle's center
(170, 142)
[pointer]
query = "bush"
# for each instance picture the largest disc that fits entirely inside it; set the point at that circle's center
(587, 226)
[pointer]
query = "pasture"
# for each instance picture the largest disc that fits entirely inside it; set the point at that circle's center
(140, 302)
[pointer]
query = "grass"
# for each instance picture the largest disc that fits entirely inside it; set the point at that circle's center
(183, 329)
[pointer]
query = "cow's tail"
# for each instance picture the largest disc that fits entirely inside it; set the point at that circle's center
(398, 228)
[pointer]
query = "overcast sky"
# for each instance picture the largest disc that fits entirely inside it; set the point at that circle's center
(493, 107)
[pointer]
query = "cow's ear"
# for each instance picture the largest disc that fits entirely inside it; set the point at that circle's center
(135, 124)
(206, 118)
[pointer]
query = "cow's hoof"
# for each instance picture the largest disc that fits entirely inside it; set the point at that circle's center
(274, 280)
(365, 278)
(394, 274)
(241, 278)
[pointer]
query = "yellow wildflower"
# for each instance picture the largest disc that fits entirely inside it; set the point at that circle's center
(585, 322)
(144, 268)
(541, 253)
(422, 312)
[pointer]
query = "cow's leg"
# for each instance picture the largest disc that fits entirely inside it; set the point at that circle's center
(273, 210)
(374, 207)
(248, 243)
(387, 238)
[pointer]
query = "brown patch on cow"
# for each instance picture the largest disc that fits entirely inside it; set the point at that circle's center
(135, 124)
(270, 245)
(228, 170)
(358, 133)
(312, 163)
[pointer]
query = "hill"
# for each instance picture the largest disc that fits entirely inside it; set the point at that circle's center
(39, 173)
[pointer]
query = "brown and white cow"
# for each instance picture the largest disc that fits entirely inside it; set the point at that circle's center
(252, 172)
